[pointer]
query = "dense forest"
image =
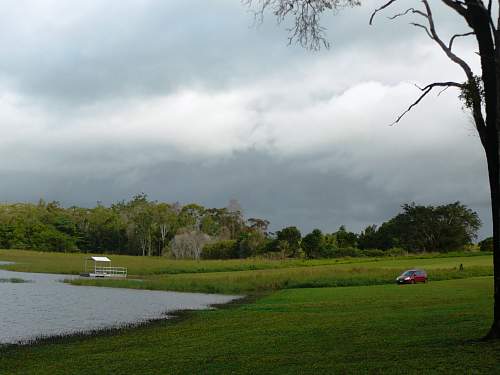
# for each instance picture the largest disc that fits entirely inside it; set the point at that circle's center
(150, 228)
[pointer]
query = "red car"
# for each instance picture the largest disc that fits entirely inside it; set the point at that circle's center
(412, 277)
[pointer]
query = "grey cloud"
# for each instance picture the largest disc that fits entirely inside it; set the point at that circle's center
(129, 48)
(285, 192)
(184, 100)
(92, 51)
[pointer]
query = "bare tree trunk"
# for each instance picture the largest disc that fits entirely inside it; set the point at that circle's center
(149, 243)
(143, 246)
(493, 156)
(494, 332)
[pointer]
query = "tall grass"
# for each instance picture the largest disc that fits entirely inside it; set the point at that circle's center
(72, 263)
(243, 276)
(244, 282)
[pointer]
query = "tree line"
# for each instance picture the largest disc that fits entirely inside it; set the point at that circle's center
(150, 228)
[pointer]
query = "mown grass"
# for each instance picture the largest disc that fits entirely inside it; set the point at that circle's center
(387, 329)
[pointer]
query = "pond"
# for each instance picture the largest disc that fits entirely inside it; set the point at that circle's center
(44, 306)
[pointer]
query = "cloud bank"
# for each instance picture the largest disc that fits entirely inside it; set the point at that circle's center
(185, 101)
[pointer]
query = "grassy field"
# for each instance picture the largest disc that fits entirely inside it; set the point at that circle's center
(253, 275)
(377, 329)
(72, 263)
(346, 273)
(285, 327)
(250, 282)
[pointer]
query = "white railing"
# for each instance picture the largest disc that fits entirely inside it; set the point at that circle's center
(110, 271)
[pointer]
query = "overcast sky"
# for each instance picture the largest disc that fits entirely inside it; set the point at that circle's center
(187, 101)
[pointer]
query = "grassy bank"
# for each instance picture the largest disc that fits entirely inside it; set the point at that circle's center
(245, 282)
(250, 276)
(378, 329)
(72, 263)
(369, 272)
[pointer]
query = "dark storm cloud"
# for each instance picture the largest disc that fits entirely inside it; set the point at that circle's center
(94, 50)
(186, 101)
(286, 193)
(90, 50)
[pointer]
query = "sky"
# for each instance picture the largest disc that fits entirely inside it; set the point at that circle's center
(191, 101)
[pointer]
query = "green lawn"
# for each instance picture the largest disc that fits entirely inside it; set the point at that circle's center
(286, 327)
(382, 329)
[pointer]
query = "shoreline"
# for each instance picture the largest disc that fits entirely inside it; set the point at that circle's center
(173, 318)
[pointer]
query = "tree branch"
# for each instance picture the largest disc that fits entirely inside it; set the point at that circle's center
(432, 31)
(458, 7)
(426, 90)
(306, 28)
(389, 3)
(412, 10)
(450, 45)
(488, 11)
(423, 27)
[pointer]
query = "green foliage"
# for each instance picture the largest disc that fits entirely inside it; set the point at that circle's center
(51, 239)
(289, 241)
(346, 239)
(144, 227)
(251, 243)
(136, 227)
(227, 249)
(425, 228)
(313, 244)
(486, 244)
(472, 92)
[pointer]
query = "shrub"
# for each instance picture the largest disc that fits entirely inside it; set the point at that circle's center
(373, 253)
(346, 252)
(251, 243)
(313, 244)
(396, 251)
(227, 249)
(52, 240)
(189, 245)
(486, 244)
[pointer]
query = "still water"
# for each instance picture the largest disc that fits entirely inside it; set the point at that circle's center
(45, 306)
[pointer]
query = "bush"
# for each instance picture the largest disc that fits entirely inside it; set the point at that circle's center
(52, 240)
(251, 243)
(346, 252)
(396, 251)
(227, 249)
(486, 244)
(373, 253)
(313, 244)
(189, 245)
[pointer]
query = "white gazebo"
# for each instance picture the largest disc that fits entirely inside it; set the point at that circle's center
(102, 268)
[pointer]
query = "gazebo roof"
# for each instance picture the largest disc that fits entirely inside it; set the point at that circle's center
(100, 259)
